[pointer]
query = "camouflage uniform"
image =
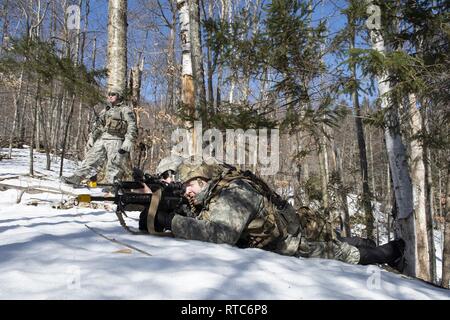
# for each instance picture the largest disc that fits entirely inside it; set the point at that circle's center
(114, 129)
(239, 214)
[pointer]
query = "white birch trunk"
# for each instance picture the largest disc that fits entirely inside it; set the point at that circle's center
(117, 45)
(399, 166)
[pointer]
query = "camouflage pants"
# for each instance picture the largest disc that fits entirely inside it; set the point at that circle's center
(329, 250)
(104, 150)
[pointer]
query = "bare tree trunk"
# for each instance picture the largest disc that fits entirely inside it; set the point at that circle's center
(366, 195)
(388, 198)
(187, 81)
(65, 134)
(33, 129)
(209, 56)
(342, 193)
(117, 45)
(197, 61)
(16, 99)
(233, 75)
(81, 60)
(171, 64)
(5, 17)
(429, 196)
(323, 159)
(135, 82)
(446, 249)
(94, 52)
(399, 166)
(44, 122)
(419, 188)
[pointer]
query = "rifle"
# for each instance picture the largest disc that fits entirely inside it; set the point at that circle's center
(164, 199)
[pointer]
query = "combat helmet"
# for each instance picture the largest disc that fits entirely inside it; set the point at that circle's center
(171, 162)
(117, 91)
(189, 171)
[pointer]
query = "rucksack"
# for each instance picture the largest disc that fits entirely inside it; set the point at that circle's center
(279, 219)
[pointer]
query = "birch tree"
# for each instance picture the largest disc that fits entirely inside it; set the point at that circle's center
(117, 44)
(396, 151)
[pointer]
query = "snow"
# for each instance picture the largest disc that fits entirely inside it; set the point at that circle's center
(48, 253)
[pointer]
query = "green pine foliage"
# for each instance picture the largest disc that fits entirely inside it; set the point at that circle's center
(41, 61)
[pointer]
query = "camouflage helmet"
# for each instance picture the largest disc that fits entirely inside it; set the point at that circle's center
(114, 90)
(169, 163)
(188, 171)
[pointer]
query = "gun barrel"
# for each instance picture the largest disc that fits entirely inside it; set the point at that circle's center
(89, 198)
(126, 198)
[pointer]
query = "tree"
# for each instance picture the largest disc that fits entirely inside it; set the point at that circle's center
(352, 85)
(197, 61)
(117, 44)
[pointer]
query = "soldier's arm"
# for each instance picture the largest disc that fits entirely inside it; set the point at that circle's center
(98, 125)
(225, 219)
(132, 130)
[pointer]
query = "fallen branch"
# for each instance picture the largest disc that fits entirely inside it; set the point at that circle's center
(117, 241)
(34, 189)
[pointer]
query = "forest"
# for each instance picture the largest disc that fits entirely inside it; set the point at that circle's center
(359, 92)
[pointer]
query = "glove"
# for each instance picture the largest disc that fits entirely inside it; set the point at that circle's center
(126, 146)
(121, 151)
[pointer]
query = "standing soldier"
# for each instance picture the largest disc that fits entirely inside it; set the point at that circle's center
(111, 140)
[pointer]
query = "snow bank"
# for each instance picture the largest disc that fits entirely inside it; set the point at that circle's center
(47, 253)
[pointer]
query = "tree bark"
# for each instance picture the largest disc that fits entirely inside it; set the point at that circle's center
(187, 80)
(117, 45)
(446, 250)
(65, 134)
(398, 163)
(5, 25)
(33, 129)
(366, 195)
(419, 188)
(16, 99)
(197, 61)
(171, 64)
(345, 215)
(429, 196)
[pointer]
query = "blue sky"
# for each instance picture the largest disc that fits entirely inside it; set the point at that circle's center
(139, 14)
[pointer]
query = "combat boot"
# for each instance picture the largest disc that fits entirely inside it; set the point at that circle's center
(390, 253)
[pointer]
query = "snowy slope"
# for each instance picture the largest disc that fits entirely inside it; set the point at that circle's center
(47, 253)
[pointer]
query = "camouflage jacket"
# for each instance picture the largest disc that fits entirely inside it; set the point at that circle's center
(116, 123)
(229, 216)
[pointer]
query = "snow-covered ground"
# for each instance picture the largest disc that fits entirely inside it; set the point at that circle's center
(48, 253)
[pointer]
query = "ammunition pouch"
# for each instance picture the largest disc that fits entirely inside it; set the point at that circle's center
(116, 124)
(276, 221)
(313, 224)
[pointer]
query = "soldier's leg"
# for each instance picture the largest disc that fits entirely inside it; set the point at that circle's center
(358, 242)
(94, 157)
(329, 250)
(116, 165)
(390, 253)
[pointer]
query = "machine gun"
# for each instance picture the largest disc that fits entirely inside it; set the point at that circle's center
(165, 198)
